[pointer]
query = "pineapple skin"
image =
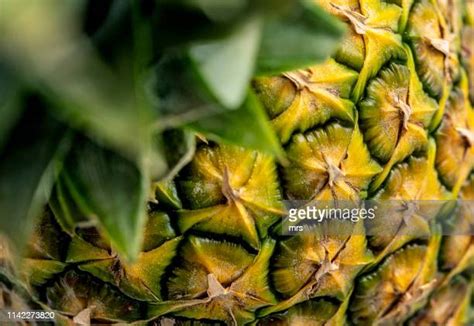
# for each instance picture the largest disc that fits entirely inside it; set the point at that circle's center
(389, 117)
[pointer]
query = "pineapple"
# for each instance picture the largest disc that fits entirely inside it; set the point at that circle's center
(388, 117)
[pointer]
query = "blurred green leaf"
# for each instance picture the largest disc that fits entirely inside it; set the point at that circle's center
(110, 189)
(226, 65)
(179, 94)
(247, 126)
(10, 103)
(179, 146)
(27, 165)
(219, 10)
(64, 208)
(43, 41)
(303, 35)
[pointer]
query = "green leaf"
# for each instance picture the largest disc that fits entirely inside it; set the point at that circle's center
(302, 36)
(27, 164)
(247, 126)
(110, 189)
(180, 96)
(178, 91)
(10, 102)
(42, 41)
(217, 10)
(178, 148)
(226, 65)
(65, 211)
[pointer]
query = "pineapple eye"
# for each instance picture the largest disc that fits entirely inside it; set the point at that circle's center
(415, 181)
(435, 36)
(312, 264)
(395, 111)
(73, 293)
(376, 25)
(322, 168)
(395, 115)
(218, 280)
(300, 100)
(230, 191)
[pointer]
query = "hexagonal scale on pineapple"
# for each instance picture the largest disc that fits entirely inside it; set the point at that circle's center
(72, 293)
(328, 163)
(397, 288)
(352, 48)
(434, 46)
(309, 313)
(202, 182)
(218, 281)
(276, 93)
(455, 141)
(322, 261)
(140, 279)
(231, 191)
(407, 204)
(457, 249)
(449, 306)
(200, 257)
(394, 115)
(157, 230)
(299, 100)
(377, 24)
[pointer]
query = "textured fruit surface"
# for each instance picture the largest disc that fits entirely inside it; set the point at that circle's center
(389, 117)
